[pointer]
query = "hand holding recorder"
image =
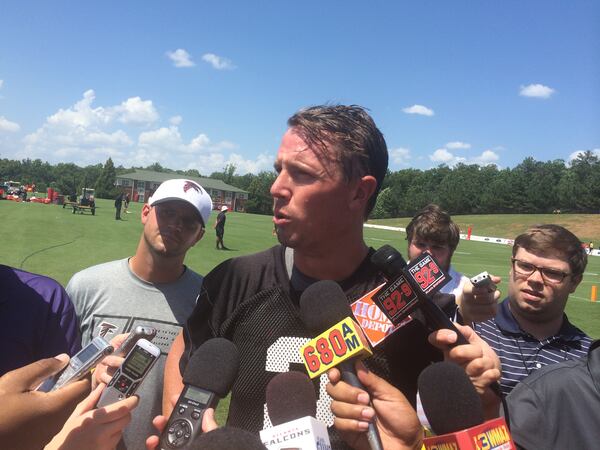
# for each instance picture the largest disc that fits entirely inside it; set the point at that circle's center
(123, 343)
(479, 299)
(131, 373)
(31, 410)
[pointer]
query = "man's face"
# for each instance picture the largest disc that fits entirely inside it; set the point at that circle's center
(441, 253)
(536, 299)
(171, 228)
(310, 201)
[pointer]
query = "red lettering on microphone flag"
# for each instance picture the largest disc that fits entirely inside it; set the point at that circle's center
(372, 320)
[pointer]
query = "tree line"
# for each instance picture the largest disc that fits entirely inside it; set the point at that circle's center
(530, 187)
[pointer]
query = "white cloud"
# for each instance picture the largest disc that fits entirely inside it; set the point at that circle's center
(457, 145)
(218, 62)
(84, 133)
(536, 91)
(181, 58)
(8, 126)
(419, 109)
(486, 158)
(400, 155)
(81, 114)
(263, 162)
(119, 138)
(443, 156)
(170, 140)
(176, 120)
(1, 83)
(134, 110)
(575, 154)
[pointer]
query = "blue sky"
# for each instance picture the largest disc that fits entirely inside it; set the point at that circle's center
(198, 84)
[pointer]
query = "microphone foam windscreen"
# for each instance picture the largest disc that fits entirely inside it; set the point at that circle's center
(449, 398)
(322, 305)
(290, 396)
(229, 438)
(213, 366)
(388, 260)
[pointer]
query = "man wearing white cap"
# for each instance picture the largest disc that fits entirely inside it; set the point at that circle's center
(153, 287)
(220, 227)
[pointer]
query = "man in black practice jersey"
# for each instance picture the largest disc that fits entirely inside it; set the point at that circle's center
(330, 165)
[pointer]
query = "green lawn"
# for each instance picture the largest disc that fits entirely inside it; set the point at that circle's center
(50, 240)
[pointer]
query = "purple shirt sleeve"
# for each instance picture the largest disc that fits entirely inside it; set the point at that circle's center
(37, 319)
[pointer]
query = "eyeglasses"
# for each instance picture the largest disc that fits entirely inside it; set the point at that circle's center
(548, 275)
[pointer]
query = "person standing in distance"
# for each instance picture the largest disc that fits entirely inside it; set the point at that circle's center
(220, 227)
(118, 205)
(153, 287)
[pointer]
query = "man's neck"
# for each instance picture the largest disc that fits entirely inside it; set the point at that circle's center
(331, 265)
(539, 330)
(155, 268)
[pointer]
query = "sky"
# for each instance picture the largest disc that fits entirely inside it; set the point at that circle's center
(199, 84)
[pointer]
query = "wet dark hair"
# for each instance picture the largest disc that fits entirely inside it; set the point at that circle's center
(361, 147)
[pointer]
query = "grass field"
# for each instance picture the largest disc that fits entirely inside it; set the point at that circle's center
(50, 240)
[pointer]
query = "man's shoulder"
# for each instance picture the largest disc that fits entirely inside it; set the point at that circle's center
(248, 273)
(92, 273)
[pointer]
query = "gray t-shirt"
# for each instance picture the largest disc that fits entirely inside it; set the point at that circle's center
(110, 299)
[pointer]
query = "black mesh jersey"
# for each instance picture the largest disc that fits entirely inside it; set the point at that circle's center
(249, 300)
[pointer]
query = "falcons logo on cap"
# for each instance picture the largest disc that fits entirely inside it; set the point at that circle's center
(191, 185)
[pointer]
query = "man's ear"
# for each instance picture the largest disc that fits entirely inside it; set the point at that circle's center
(145, 213)
(575, 280)
(199, 236)
(363, 190)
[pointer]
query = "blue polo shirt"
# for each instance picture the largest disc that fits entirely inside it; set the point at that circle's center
(521, 354)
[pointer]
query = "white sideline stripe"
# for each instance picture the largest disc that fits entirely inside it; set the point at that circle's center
(377, 239)
(462, 253)
(576, 297)
(485, 239)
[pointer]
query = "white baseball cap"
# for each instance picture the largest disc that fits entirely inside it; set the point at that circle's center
(224, 208)
(186, 190)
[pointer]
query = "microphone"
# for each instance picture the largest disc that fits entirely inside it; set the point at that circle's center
(402, 295)
(410, 286)
(292, 406)
(208, 377)
(324, 309)
(453, 408)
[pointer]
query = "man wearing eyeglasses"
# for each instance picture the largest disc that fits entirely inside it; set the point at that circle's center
(153, 288)
(531, 329)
